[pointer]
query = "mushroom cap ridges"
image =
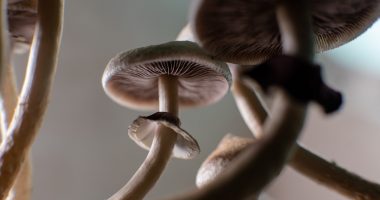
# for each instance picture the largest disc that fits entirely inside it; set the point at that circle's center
(246, 32)
(131, 78)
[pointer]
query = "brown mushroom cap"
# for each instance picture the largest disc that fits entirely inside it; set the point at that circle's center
(143, 128)
(131, 78)
(246, 32)
(22, 19)
(228, 149)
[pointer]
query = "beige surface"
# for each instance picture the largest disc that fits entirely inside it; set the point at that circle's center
(84, 152)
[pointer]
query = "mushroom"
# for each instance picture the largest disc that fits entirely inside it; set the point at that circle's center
(246, 32)
(228, 149)
(166, 76)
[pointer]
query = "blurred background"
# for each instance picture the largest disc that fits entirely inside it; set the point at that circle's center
(83, 151)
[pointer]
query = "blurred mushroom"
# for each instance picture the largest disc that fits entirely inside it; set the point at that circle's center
(166, 76)
(227, 150)
(246, 32)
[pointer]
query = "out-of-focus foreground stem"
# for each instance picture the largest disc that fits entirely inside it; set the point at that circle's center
(35, 92)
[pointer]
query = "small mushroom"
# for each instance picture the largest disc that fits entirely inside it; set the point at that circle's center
(227, 150)
(163, 76)
(246, 32)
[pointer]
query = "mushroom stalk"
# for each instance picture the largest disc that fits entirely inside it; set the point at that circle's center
(4, 42)
(333, 176)
(258, 165)
(35, 92)
(160, 151)
(304, 161)
(22, 187)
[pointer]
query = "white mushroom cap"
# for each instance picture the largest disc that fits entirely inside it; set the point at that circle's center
(131, 78)
(143, 128)
(246, 32)
(228, 149)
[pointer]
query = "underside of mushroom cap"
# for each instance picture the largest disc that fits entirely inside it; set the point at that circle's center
(142, 131)
(22, 19)
(246, 32)
(228, 149)
(131, 78)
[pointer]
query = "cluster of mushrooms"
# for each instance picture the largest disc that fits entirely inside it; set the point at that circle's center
(253, 48)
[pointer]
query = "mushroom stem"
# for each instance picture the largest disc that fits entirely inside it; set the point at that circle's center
(168, 94)
(151, 169)
(257, 166)
(304, 161)
(35, 92)
(294, 21)
(22, 186)
(333, 176)
(4, 42)
(160, 151)
(248, 102)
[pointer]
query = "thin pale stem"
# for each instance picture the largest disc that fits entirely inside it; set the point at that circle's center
(152, 167)
(4, 42)
(249, 105)
(9, 99)
(294, 21)
(35, 92)
(22, 187)
(161, 150)
(333, 176)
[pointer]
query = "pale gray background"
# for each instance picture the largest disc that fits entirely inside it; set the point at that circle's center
(84, 153)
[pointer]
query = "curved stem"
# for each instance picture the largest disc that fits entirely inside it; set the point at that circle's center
(151, 169)
(257, 166)
(4, 42)
(35, 92)
(160, 151)
(22, 186)
(334, 176)
(304, 161)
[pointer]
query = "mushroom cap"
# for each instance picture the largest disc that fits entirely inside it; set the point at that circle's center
(246, 32)
(22, 20)
(131, 78)
(228, 149)
(143, 128)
